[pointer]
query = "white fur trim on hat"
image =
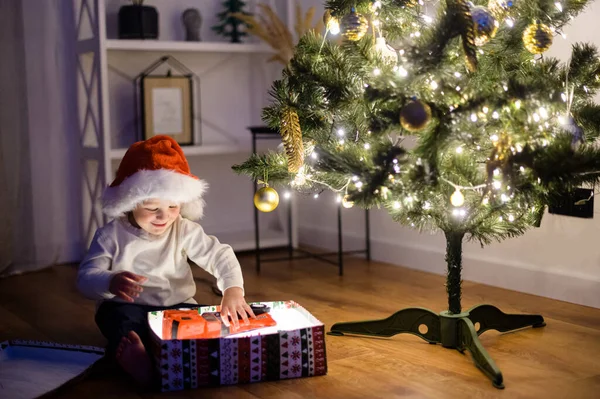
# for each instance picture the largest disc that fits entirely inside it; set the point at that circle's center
(164, 184)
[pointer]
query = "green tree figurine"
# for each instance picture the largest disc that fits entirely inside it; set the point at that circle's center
(453, 123)
(230, 26)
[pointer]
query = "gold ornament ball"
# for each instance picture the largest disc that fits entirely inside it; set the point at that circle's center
(327, 16)
(415, 116)
(354, 26)
(266, 199)
(457, 199)
(485, 25)
(537, 38)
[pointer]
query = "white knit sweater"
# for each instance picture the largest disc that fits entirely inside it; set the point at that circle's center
(119, 246)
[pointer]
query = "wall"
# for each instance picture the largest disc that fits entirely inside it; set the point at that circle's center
(559, 260)
(234, 90)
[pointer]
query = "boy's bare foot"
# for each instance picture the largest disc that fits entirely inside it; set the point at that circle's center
(132, 357)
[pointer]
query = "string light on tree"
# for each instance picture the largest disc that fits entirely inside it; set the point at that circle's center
(402, 72)
(558, 6)
(346, 203)
(331, 23)
(457, 199)
(300, 179)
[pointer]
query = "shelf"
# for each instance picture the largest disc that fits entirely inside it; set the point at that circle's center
(219, 149)
(244, 240)
(182, 46)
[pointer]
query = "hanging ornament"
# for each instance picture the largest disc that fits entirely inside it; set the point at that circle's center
(457, 199)
(571, 126)
(568, 123)
(485, 25)
(499, 159)
(331, 23)
(354, 26)
(502, 147)
(291, 135)
(266, 199)
(415, 116)
(386, 52)
(537, 38)
(346, 203)
(462, 11)
(500, 8)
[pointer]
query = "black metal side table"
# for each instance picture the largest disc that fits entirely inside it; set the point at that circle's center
(264, 132)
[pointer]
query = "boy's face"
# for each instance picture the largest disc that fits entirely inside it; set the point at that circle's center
(156, 216)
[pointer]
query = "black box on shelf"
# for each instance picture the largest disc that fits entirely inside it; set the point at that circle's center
(138, 22)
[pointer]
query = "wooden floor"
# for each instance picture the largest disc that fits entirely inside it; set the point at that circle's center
(561, 360)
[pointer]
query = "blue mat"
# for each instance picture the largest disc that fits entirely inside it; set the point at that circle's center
(29, 369)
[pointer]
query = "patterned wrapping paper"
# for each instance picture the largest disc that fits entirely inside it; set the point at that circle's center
(190, 364)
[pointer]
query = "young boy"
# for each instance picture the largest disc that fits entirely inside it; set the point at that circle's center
(139, 261)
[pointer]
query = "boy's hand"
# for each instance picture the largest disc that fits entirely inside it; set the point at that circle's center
(126, 285)
(233, 303)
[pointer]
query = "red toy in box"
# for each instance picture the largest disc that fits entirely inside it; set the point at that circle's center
(189, 324)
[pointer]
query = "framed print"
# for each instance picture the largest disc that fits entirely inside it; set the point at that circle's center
(167, 107)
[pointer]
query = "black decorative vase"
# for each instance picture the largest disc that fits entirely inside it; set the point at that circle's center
(138, 22)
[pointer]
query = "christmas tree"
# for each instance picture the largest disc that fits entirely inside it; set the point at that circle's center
(454, 123)
(230, 25)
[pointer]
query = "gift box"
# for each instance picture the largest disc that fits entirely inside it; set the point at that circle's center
(293, 348)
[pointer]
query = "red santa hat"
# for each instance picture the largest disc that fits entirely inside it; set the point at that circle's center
(154, 168)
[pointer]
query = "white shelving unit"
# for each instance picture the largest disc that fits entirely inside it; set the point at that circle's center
(92, 50)
(190, 151)
(175, 46)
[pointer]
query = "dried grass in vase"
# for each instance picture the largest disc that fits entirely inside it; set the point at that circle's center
(271, 29)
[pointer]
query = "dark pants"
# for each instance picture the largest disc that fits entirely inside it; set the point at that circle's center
(116, 319)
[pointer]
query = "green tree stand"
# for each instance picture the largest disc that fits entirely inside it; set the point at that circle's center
(452, 329)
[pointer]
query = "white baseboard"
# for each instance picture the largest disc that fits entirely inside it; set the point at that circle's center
(556, 284)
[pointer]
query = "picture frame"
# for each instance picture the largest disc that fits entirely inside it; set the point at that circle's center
(167, 107)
